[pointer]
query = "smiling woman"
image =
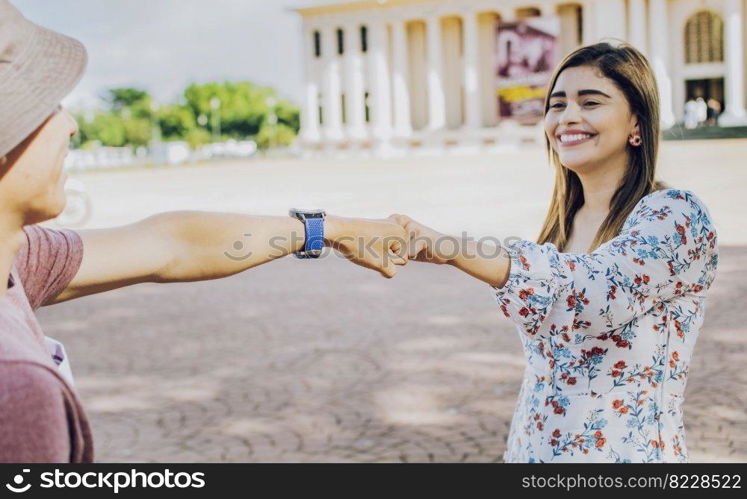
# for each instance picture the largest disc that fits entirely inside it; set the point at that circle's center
(608, 302)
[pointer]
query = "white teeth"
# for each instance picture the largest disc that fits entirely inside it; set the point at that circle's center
(574, 137)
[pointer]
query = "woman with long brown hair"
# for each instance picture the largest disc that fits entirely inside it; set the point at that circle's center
(609, 300)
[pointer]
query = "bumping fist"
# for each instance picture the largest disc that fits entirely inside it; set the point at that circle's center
(425, 244)
(374, 244)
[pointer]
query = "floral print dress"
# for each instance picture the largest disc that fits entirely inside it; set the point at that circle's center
(608, 336)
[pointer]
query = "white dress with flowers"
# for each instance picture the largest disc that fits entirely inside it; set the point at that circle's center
(608, 336)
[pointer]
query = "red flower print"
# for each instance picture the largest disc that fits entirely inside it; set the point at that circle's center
(616, 404)
(556, 433)
(553, 442)
(558, 410)
(616, 338)
(597, 351)
(675, 356)
(637, 280)
(680, 229)
(622, 344)
(571, 300)
(571, 381)
(525, 265)
(615, 373)
(620, 364)
(600, 442)
(646, 279)
(539, 425)
(598, 434)
(623, 410)
(523, 294)
(572, 265)
(524, 312)
(566, 337)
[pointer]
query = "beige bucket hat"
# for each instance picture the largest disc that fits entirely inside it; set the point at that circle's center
(38, 68)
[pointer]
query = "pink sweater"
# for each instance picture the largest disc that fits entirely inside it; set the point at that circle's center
(41, 419)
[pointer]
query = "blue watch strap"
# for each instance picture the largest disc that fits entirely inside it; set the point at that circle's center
(314, 234)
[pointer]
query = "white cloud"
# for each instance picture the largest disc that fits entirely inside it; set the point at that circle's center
(162, 45)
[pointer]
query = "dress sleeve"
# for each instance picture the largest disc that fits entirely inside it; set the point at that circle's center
(667, 247)
(47, 262)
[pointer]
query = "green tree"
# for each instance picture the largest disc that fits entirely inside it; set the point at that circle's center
(176, 121)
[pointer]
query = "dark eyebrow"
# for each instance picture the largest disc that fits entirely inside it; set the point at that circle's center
(588, 91)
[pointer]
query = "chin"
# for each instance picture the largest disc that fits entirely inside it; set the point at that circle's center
(575, 164)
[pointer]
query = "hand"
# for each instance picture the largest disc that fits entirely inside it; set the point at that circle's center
(373, 244)
(425, 244)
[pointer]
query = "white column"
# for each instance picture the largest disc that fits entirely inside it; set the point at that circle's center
(588, 36)
(436, 99)
(380, 98)
(310, 112)
(734, 59)
(331, 95)
(610, 19)
(354, 91)
(658, 36)
(402, 122)
(637, 24)
(472, 106)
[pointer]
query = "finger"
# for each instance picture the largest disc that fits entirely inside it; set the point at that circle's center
(399, 219)
(387, 270)
(398, 252)
(417, 248)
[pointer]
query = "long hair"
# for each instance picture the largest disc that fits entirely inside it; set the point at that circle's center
(632, 74)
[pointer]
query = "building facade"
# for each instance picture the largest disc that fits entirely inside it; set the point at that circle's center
(404, 75)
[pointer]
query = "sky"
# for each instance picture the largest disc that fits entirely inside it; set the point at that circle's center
(163, 45)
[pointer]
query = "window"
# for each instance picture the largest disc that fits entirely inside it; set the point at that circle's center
(364, 39)
(704, 38)
(321, 110)
(317, 44)
(368, 109)
(340, 42)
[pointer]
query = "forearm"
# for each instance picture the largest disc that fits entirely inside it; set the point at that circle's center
(482, 261)
(210, 245)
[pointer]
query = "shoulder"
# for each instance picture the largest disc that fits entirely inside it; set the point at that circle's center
(671, 204)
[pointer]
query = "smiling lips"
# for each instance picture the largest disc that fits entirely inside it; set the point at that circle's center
(572, 139)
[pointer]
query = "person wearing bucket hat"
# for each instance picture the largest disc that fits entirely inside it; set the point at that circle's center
(41, 417)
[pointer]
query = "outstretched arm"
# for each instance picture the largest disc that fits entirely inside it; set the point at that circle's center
(185, 246)
(481, 260)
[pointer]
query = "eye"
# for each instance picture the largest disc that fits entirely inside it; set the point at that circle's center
(590, 103)
(557, 105)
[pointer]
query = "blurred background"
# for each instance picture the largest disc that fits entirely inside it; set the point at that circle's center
(426, 107)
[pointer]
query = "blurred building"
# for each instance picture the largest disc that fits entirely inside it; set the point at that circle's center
(404, 75)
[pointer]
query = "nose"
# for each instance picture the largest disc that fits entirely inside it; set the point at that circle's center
(570, 114)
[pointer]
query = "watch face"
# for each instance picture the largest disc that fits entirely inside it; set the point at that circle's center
(295, 212)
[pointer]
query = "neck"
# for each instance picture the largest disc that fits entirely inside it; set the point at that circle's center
(11, 240)
(600, 184)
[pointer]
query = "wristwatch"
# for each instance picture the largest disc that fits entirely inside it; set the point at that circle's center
(313, 221)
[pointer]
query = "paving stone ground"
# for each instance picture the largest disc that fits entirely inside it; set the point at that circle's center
(324, 361)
